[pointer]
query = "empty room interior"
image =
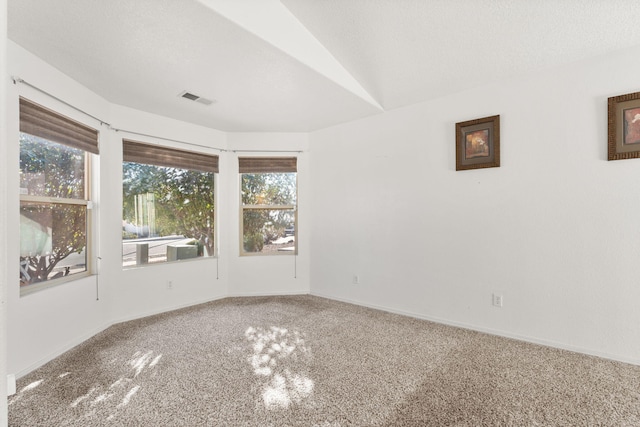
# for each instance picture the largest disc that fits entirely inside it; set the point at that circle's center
(320, 179)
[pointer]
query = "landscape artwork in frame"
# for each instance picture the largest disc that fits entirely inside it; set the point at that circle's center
(478, 143)
(624, 126)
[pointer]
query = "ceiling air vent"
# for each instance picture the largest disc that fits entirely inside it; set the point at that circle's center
(196, 98)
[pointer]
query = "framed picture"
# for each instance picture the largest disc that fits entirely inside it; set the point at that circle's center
(478, 143)
(624, 126)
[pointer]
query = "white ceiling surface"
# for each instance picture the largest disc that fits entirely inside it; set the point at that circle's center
(301, 65)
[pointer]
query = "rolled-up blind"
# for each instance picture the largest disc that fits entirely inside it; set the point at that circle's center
(267, 164)
(138, 152)
(42, 122)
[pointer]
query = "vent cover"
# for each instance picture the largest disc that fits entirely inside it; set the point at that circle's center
(188, 95)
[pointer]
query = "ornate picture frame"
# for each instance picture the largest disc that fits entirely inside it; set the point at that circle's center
(624, 127)
(478, 143)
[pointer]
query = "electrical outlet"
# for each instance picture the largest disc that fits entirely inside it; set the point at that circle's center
(497, 300)
(169, 284)
(356, 279)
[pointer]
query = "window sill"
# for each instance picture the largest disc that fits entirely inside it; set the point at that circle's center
(180, 261)
(269, 254)
(41, 286)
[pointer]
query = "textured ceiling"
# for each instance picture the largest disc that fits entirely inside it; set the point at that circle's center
(408, 51)
(300, 65)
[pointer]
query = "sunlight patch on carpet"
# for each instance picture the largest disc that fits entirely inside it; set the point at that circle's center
(277, 356)
(285, 389)
(123, 388)
(127, 398)
(155, 361)
(31, 386)
(140, 361)
(117, 383)
(16, 397)
(100, 398)
(83, 397)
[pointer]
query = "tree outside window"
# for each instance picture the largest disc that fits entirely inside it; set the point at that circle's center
(269, 205)
(168, 211)
(54, 196)
(51, 232)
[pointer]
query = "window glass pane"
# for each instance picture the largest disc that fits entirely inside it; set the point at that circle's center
(51, 169)
(168, 214)
(269, 188)
(269, 230)
(53, 241)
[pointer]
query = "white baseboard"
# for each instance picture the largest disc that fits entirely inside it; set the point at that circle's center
(79, 340)
(269, 294)
(203, 301)
(11, 385)
(165, 310)
(84, 337)
(533, 340)
(68, 346)
(11, 379)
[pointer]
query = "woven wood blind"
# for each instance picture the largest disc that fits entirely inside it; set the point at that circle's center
(40, 121)
(268, 164)
(138, 152)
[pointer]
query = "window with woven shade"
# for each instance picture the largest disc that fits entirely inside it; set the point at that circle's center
(268, 210)
(55, 197)
(168, 204)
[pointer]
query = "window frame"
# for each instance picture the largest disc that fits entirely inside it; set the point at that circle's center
(278, 165)
(90, 154)
(160, 159)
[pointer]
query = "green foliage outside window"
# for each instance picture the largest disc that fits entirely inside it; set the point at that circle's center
(183, 201)
(51, 232)
(269, 201)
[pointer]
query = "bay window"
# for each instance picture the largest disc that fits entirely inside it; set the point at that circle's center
(168, 204)
(55, 160)
(268, 205)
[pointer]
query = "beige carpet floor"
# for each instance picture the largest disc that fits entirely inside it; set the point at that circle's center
(309, 361)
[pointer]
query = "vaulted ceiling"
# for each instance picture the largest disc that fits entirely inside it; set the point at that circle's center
(301, 65)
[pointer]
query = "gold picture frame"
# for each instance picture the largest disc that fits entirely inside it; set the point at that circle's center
(624, 127)
(478, 143)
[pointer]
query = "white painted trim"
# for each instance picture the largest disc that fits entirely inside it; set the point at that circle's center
(85, 337)
(504, 334)
(5, 274)
(79, 340)
(61, 350)
(269, 294)
(11, 385)
(165, 310)
(489, 331)
(207, 300)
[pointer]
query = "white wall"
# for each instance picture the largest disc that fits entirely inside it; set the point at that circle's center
(274, 274)
(3, 214)
(555, 229)
(142, 291)
(44, 324)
